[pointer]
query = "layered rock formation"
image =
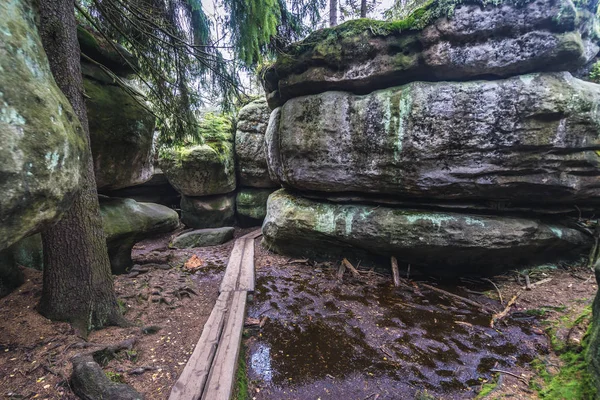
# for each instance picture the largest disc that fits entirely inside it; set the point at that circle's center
(41, 141)
(205, 176)
(251, 163)
(477, 41)
(444, 175)
(531, 138)
(121, 128)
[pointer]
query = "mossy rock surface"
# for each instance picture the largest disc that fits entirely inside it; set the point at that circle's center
(441, 242)
(532, 139)
(250, 156)
(202, 238)
(42, 151)
(439, 40)
(209, 211)
(113, 56)
(126, 222)
(251, 205)
(121, 134)
(200, 170)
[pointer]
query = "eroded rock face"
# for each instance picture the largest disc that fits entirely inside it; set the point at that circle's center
(41, 141)
(500, 41)
(444, 242)
(126, 222)
(532, 138)
(121, 134)
(251, 163)
(208, 212)
(201, 170)
(251, 205)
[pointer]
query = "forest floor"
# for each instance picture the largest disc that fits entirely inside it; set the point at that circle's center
(309, 333)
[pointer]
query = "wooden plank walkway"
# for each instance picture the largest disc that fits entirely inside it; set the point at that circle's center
(210, 372)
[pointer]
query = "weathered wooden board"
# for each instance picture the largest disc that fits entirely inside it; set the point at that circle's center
(222, 374)
(192, 380)
(253, 234)
(232, 272)
(246, 281)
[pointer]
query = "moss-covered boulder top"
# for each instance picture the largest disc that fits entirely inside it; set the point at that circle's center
(41, 145)
(200, 170)
(440, 40)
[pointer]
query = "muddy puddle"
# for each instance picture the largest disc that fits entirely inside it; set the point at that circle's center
(330, 340)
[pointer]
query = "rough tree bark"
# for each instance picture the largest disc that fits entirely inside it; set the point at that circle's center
(363, 8)
(78, 285)
(333, 12)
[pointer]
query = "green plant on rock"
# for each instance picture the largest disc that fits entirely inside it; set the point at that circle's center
(573, 381)
(595, 72)
(115, 377)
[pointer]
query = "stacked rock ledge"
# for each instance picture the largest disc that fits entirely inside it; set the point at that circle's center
(438, 41)
(251, 163)
(431, 138)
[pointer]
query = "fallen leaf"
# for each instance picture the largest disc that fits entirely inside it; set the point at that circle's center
(193, 263)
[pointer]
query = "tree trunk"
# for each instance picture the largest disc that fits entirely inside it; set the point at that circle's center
(333, 12)
(363, 8)
(78, 285)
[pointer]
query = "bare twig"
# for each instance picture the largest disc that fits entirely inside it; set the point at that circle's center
(395, 272)
(511, 374)
(353, 270)
(504, 313)
(497, 290)
(457, 297)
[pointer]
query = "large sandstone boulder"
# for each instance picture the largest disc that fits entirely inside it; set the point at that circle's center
(475, 41)
(121, 133)
(532, 138)
(126, 222)
(251, 205)
(251, 162)
(208, 212)
(200, 170)
(447, 243)
(41, 141)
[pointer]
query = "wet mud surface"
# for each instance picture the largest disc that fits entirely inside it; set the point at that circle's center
(351, 339)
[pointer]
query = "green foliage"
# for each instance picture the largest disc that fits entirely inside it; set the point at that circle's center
(487, 388)
(595, 72)
(180, 66)
(252, 24)
(115, 377)
(122, 306)
(573, 381)
(241, 379)
(216, 127)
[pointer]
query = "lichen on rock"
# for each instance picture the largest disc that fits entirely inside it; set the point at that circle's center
(42, 146)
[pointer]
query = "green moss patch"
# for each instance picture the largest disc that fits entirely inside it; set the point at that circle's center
(573, 380)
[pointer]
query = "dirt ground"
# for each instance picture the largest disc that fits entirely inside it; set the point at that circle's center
(35, 352)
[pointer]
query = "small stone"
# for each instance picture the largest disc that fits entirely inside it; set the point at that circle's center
(203, 238)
